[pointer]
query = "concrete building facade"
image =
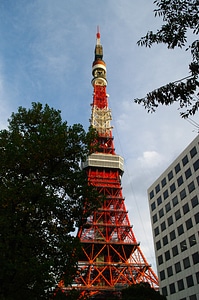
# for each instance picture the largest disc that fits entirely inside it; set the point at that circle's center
(174, 208)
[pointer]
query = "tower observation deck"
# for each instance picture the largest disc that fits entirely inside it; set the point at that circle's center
(111, 258)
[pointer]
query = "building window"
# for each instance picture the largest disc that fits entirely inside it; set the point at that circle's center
(172, 288)
(193, 152)
(188, 173)
(195, 258)
(167, 255)
(185, 160)
(172, 187)
(183, 246)
(197, 178)
(172, 235)
(163, 182)
(159, 200)
(175, 251)
(177, 168)
(194, 201)
(197, 277)
(157, 188)
(170, 220)
(153, 206)
(162, 275)
(192, 297)
(170, 175)
(180, 229)
(160, 260)
(177, 267)
(175, 201)
(191, 187)
(151, 194)
(156, 231)
(186, 262)
(196, 216)
(189, 280)
(189, 224)
(183, 194)
(180, 285)
(155, 218)
(161, 213)
(168, 207)
(192, 240)
(185, 208)
(163, 226)
(177, 214)
(158, 245)
(166, 194)
(169, 271)
(180, 180)
(164, 291)
(165, 240)
(196, 165)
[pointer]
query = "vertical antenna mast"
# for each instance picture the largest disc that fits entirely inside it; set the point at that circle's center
(98, 35)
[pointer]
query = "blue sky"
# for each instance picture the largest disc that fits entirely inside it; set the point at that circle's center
(46, 54)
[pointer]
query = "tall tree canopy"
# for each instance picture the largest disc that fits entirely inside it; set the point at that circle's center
(141, 291)
(42, 196)
(180, 18)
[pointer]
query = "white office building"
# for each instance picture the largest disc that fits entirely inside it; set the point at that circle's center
(174, 209)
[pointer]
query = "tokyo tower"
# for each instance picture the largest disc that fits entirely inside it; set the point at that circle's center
(111, 258)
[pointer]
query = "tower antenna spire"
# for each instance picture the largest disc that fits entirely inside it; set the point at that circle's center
(98, 35)
(98, 47)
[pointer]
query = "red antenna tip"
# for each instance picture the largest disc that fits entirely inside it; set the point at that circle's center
(98, 32)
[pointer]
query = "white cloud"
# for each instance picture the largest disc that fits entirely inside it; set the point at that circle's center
(150, 159)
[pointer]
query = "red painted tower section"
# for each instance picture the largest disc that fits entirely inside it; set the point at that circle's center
(111, 257)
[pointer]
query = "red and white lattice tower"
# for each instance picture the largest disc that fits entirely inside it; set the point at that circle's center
(111, 257)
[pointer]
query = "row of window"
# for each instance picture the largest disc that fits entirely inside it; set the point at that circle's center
(167, 256)
(191, 187)
(177, 168)
(186, 208)
(171, 270)
(178, 248)
(181, 285)
(177, 215)
(180, 230)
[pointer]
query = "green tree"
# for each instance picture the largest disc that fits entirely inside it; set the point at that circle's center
(180, 19)
(42, 196)
(141, 291)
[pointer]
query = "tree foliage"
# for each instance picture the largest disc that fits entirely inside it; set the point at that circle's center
(180, 19)
(42, 196)
(141, 291)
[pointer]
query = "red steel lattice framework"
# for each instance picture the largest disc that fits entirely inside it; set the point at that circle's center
(111, 257)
